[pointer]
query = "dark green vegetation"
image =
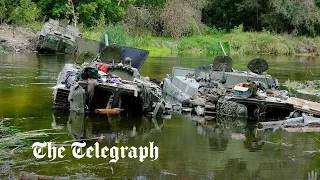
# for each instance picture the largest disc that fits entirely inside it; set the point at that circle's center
(280, 16)
(173, 18)
(244, 26)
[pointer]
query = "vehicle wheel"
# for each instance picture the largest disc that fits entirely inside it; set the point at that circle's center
(256, 112)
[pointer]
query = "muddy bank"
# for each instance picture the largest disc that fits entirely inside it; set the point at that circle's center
(17, 39)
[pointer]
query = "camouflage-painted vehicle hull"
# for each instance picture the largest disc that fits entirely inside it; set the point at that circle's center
(57, 44)
(59, 37)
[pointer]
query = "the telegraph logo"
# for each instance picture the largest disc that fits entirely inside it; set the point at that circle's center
(312, 175)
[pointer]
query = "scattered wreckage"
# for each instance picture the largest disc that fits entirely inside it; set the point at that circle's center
(217, 89)
(306, 113)
(110, 84)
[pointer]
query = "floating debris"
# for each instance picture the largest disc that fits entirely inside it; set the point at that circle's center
(292, 122)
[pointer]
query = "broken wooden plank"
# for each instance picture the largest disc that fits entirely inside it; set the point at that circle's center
(304, 105)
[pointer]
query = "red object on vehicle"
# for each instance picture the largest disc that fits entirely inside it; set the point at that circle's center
(102, 67)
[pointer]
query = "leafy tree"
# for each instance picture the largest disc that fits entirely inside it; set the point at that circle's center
(299, 17)
(84, 11)
(26, 11)
(174, 18)
(150, 3)
(302, 15)
(3, 10)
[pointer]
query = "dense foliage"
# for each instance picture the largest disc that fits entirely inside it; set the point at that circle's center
(289, 16)
(174, 18)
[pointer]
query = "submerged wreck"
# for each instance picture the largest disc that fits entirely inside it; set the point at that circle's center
(60, 37)
(218, 89)
(110, 84)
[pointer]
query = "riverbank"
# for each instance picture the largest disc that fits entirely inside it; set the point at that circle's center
(17, 39)
(244, 43)
(235, 42)
(24, 39)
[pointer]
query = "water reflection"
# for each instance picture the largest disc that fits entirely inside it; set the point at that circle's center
(253, 140)
(105, 128)
(75, 125)
(221, 131)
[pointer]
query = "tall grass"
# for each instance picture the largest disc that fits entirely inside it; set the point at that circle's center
(141, 41)
(117, 34)
(213, 31)
(253, 43)
(269, 43)
(235, 42)
(198, 45)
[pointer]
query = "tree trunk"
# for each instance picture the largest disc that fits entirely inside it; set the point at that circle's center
(74, 16)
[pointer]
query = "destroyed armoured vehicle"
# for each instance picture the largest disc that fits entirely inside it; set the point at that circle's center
(185, 81)
(58, 37)
(204, 86)
(110, 84)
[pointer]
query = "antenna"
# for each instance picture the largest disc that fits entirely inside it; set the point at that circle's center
(224, 52)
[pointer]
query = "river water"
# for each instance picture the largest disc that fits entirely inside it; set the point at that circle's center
(187, 150)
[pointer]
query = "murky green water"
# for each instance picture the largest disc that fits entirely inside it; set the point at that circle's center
(187, 150)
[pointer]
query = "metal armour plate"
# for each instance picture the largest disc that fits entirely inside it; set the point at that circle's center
(119, 53)
(258, 65)
(222, 62)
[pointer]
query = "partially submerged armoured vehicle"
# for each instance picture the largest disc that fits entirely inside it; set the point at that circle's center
(58, 36)
(110, 84)
(185, 82)
(213, 86)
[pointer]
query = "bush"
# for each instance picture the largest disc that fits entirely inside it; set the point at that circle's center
(139, 20)
(26, 12)
(213, 31)
(237, 30)
(253, 43)
(173, 19)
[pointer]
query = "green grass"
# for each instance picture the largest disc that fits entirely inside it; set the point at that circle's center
(235, 42)
(238, 43)
(198, 45)
(117, 34)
